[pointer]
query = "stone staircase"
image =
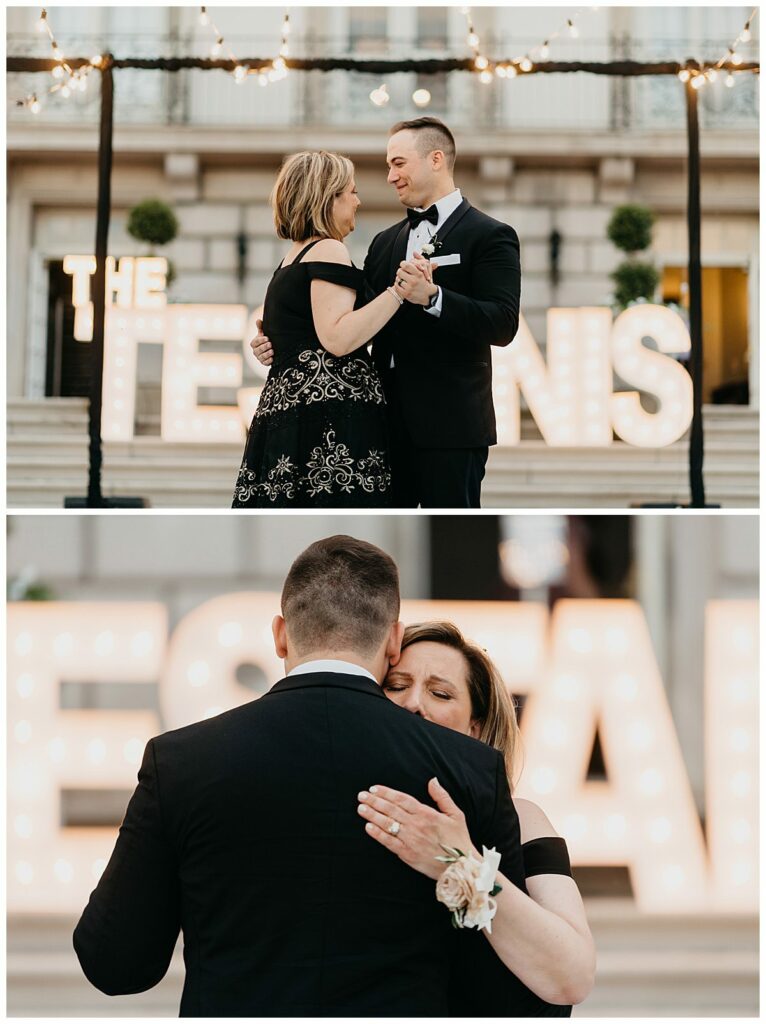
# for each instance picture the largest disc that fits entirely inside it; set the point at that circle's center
(48, 453)
(647, 967)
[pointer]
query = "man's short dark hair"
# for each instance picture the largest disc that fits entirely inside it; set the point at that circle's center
(340, 593)
(431, 134)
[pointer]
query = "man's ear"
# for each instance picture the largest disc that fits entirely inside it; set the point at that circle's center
(279, 632)
(394, 645)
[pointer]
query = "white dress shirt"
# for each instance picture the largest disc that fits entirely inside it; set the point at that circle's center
(331, 665)
(425, 230)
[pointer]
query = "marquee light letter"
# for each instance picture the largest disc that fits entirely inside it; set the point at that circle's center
(151, 275)
(119, 282)
(569, 398)
(52, 868)
(654, 372)
(603, 673)
(207, 646)
(124, 329)
(185, 369)
(731, 752)
(81, 268)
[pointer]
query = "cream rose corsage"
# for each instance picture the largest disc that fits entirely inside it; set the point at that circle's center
(467, 887)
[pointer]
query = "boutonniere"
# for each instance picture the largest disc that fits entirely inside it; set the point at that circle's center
(432, 245)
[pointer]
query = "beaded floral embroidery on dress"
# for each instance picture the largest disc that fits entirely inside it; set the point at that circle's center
(331, 469)
(320, 377)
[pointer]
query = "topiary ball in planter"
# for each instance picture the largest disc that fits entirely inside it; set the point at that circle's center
(634, 281)
(630, 227)
(153, 221)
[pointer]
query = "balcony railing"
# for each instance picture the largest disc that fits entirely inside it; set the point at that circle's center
(571, 102)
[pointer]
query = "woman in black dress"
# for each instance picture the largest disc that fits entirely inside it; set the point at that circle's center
(540, 957)
(318, 438)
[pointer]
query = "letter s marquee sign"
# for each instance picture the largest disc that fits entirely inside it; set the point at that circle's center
(588, 665)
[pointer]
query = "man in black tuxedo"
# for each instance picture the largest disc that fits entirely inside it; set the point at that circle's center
(244, 834)
(434, 356)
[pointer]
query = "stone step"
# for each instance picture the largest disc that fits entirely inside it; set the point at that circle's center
(47, 460)
(40, 416)
(648, 966)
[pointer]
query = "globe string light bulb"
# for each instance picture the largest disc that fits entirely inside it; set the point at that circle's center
(421, 97)
(204, 18)
(380, 96)
(684, 74)
(42, 21)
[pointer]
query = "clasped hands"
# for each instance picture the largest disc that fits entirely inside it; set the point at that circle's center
(414, 280)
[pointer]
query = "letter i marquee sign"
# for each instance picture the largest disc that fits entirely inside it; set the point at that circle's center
(570, 397)
(587, 668)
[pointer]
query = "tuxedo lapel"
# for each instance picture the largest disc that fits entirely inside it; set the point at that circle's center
(399, 249)
(450, 222)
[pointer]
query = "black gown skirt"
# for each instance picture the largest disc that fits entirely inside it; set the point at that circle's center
(319, 436)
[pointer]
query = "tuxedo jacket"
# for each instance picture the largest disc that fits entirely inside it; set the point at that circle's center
(443, 377)
(243, 833)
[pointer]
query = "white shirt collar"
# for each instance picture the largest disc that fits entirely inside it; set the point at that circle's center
(445, 206)
(331, 665)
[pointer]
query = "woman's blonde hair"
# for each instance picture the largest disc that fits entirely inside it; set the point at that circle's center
(491, 703)
(304, 192)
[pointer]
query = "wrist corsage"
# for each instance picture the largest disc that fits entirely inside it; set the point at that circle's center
(467, 887)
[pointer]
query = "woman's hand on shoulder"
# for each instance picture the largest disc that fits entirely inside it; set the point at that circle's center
(423, 831)
(533, 821)
(329, 250)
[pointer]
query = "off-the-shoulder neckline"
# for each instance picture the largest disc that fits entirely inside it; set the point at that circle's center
(326, 263)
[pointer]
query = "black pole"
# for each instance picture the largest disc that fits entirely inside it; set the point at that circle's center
(696, 439)
(103, 209)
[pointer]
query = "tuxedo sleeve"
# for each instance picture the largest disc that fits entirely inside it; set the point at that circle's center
(490, 314)
(504, 829)
(126, 935)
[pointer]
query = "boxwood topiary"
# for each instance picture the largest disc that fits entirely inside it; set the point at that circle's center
(630, 227)
(633, 281)
(153, 221)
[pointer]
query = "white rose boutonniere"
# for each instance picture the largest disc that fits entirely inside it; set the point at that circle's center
(431, 246)
(467, 887)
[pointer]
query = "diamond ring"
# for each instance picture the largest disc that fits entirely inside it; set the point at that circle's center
(393, 828)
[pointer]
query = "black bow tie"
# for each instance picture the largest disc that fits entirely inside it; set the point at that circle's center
(415, 216)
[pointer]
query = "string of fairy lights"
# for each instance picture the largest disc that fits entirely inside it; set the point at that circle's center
(264, 76)
(68, 80)
(699, 77)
